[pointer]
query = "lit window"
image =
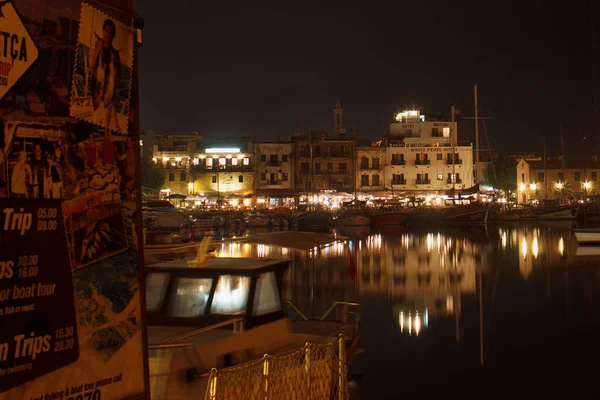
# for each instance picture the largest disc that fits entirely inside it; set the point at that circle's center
(266, 295)
(446, 132)
(246, 161)
(209, 162)
(440, 177)
(222, 161)
(231, 295)
(189, 297)
(234, 161)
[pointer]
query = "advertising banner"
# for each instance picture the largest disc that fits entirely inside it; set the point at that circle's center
(70, 274)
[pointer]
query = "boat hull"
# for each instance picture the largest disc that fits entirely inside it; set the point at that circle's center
(587, 236)
(392, 218)
(562, 213)
(472, 214)
(356, 220)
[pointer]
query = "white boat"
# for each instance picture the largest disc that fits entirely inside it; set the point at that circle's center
(556, 213)
(190, 312)
(587, 236)
(353, 218)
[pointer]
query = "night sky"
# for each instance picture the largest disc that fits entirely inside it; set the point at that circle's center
(227, 69)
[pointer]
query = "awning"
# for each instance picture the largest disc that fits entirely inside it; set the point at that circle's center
(176, 196)
(276, 193)
(304, 241)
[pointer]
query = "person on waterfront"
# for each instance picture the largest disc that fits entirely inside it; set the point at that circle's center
(21, 177)
(105, 64)
(39, 165)
(109, 151)
(55, 173)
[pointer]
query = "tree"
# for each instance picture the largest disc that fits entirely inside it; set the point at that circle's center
(501, 173)
(153, 177)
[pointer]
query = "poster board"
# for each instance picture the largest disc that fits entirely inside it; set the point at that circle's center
(71, 292)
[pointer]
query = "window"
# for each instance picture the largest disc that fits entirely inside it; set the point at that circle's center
(246, 161)
(317, 151)
(234, 161)
(421, 159)
(577, 176)
(273, 159)
(304, 167)
(523, 178)
(273, 178)
(364, 163)
(214, 179)
(398, 159)
(241, 179)
(284, 176)
(540, 177)
(266, 295)
(453, 159)
(375, 179)
(231, 295)
(446, 131)
(375, 162)
(422, 179)
(342, 150)
(317, 168)
(364, 180)
(209, 162)
(329, 167)
(440, 177)
(398, 179)
(222, 161)
(156, 286)
(594, 176)
(263, 176)
(436, 132)
(263, 158)
(342, 167)
(560, 176)
(183, 176)
(171, 176)
(284, 158)
(189, 297)
(438, 156)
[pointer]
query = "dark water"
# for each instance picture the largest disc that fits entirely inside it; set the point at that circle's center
(540, 308)
(422, 288)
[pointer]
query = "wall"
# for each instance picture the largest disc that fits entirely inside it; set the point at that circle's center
(280, 167)
(228, 183)
(361, 169)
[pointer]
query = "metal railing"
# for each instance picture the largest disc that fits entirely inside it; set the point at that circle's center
(398, 162)
(422, 162)
(423, 181)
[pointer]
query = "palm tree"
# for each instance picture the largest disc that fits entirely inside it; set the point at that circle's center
(562, 190)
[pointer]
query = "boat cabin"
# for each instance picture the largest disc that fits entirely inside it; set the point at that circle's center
(180, 295)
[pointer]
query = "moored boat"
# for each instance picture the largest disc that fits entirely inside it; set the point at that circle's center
(587, 236)
(353, 218)
(473, 213)
(313, 221)
(567, 212)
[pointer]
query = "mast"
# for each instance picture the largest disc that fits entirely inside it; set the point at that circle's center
(476, 132)
(312, 175)
(545, 171)
(355, 167)
(453, 139)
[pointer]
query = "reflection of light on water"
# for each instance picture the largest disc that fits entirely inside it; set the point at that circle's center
(524, 247)
(504, 237)
(417, 324)
(426, 318)
(429, 242)
(439, 242)
(409, 324)
(401, 321)
(534, 247)
(449, 303)
(561, 246)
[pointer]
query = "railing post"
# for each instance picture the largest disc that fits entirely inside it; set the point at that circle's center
(307, 369)
(266, 362)
(211, 392)
(342, 368)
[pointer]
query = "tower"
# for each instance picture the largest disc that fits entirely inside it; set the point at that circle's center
(338, 119)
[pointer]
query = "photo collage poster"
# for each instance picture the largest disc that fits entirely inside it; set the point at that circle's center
(70, 304)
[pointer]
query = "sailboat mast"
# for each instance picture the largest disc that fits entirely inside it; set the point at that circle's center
(312, 175)
(453, 138)
(476, 132)
(545, 171)
(355, 166)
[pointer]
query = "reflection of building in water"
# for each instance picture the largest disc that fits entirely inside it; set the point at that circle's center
(426, 273)
(312, 283)
(538, 246)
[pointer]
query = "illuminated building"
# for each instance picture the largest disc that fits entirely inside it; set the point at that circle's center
(274, 169)
(424, 156)
(370, 173)
(536, 181)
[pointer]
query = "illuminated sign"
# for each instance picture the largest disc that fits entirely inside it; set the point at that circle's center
(223, 150)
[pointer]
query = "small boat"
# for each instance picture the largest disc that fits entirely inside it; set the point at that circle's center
(228, 313)
(257, 220)
(312, 221)
(587, 236)
(588, 252)
(390, 214)
(353, 218)
(556, 212)
(473, 213)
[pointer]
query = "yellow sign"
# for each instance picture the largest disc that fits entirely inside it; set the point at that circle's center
(17, 50)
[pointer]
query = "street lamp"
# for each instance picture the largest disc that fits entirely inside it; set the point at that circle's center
(533, 187)
(587, 185)
(559, 185)
(522, 186)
